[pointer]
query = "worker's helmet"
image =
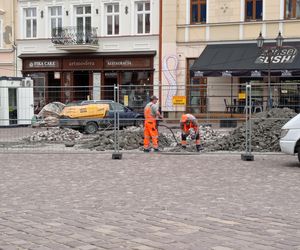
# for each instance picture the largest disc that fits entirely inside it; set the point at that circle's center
(184, 118)
(153, 98)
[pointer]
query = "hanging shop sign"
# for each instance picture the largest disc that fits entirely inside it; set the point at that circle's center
(179, 100)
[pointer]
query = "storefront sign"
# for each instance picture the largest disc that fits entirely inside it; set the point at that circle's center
(82, 64)
(285, 55)
(116, 63)
(179, 100)
(41, 64)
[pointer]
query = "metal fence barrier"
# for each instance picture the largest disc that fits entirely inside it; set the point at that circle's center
(222, 106)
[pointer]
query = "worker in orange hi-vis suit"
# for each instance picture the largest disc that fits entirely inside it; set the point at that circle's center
(188, 122)
(150, 127)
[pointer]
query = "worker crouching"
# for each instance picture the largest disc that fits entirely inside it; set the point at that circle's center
(151, 114)
(189, 123)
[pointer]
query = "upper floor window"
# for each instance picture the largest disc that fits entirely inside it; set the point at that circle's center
(143, 17)
(83, 23)
(254, 9)
(30, 22)
(292, 8)
(55, 14)
(198, 11)
(112, 19)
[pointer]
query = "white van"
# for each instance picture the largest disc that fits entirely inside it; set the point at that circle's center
(290, 137)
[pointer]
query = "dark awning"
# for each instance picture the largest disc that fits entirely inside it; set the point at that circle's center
(247, 59)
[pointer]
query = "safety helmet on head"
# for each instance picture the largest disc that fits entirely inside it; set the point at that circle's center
(153, 98)
(184, 118)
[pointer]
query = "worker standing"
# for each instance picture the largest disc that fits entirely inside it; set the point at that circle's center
(150, 127)
(188, 122)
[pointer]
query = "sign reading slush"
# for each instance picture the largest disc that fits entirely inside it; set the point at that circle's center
(284, 55)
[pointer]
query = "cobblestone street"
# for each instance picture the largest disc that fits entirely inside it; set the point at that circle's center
(149, 201)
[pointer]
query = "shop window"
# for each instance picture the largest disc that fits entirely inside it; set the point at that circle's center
(39, 91)
(196, 92)
(55, 15)
(292, 9)
(112, 19)
(143, 13)
(136, 89)
(30, 22)
(198, 11)
(253, 9)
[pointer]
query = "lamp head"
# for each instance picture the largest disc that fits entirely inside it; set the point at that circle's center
(260, 41)
(279, 40)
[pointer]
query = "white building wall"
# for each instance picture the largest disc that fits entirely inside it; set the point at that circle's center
(128, 40)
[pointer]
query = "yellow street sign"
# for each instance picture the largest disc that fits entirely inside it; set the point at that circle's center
(179, 100)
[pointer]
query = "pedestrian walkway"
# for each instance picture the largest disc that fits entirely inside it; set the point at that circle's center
(149, 201)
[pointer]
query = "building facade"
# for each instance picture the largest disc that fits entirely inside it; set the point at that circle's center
(210, 28)
(77, 49)
(7, 46)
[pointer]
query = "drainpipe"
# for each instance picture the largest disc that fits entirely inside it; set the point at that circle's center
(14, 46)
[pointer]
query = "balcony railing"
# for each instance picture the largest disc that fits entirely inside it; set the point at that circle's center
(74, 36)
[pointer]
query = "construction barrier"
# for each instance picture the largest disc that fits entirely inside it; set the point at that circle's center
(31, 120)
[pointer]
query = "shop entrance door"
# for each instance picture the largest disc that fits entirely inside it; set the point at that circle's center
(197, 95)
(81, 85)
(107, 88)
(12, 102)
(54, 88)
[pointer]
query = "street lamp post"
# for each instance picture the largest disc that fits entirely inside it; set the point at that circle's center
(269, 52)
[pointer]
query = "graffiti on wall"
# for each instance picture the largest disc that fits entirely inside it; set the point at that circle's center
(170, 64)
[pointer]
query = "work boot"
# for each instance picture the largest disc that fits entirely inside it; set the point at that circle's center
(183, 146)
(156, 150)
(146, 150)
(198, 148)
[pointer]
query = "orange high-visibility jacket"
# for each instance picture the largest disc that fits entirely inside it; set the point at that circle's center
(150, 112)
(192, 123)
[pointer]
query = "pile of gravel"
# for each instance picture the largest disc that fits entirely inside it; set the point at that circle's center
(54, 135)
(266, 129)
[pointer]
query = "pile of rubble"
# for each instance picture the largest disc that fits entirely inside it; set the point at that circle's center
(129, 138)
(266, 129)
(132, 138)
(54, 135)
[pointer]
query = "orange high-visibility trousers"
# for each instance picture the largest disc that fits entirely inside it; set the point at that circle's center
(150, 131)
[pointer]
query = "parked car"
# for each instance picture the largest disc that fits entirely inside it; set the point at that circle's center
(127, 117)
(290, 137)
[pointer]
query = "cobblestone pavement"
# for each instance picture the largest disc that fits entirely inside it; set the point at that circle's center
(149, 201)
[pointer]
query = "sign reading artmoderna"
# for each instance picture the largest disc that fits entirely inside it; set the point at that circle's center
(284, 55)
